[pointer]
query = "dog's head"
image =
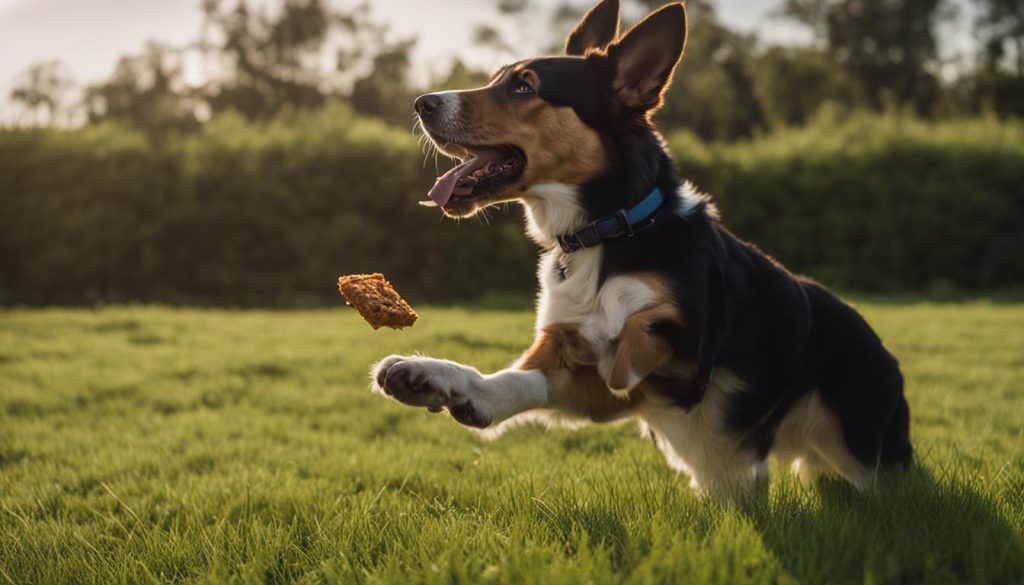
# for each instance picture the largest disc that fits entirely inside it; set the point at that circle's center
(553, 119)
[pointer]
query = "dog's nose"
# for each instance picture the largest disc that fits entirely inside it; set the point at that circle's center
(428, 104)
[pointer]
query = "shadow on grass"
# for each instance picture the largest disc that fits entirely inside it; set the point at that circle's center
(915, 529)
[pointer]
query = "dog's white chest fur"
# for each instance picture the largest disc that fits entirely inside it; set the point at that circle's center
(571, 292)
(570, 288)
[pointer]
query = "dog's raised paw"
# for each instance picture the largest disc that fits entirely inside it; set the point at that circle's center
(379, 371)
(431, 384)
(410, 383)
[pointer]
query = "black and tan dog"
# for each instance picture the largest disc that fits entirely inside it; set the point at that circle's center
(649, 307)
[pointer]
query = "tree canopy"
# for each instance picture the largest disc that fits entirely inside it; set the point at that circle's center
(260, 60)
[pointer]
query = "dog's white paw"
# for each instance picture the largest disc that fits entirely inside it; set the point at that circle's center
(433, 384)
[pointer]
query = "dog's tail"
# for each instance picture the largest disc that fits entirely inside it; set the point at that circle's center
(897, 452)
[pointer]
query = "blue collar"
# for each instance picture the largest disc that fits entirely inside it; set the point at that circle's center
(624, 223)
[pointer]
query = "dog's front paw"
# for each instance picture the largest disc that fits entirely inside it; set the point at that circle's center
(434, 385)
(379, 371)
(409, 381)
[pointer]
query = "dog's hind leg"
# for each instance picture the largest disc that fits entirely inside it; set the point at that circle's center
(808, 468)
(811, 438)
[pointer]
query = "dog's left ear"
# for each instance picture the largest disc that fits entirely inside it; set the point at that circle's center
(598, 27)
(645, 57)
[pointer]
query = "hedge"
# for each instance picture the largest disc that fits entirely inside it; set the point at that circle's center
(877, 203)
(270, 213)
(239, 214)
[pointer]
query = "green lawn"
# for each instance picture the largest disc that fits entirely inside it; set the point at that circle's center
(149, 444)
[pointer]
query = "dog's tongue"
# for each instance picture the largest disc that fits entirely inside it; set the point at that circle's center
(448, 183)
(443, 189)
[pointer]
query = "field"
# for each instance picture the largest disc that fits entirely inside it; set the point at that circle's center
(154, 444)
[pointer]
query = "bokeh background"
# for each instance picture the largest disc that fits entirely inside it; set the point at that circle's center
(162, 157)
(246, 153)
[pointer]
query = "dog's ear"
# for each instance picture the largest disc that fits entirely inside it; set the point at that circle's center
(598, 27)
(645, 57)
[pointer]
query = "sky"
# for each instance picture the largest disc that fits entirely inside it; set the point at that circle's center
(90, 35)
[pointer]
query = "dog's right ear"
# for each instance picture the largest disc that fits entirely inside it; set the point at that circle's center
(596, 30)
(645, 57)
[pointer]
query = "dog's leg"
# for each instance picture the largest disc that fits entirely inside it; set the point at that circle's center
(639, 351)
(556, 372)
(831, 448)
(472, 398)
(808, 468)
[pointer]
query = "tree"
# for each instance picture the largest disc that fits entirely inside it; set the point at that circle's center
(490, 37)
(1000, 26)
(42, 92)
(385, 91)
(714, 93)
(275, 61)
(270, 61)
(459, 76)
(889, 46)
(999, 82)
(794, 82)
(146, 90)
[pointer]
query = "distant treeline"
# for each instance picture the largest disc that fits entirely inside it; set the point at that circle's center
(261, 59)
(269, 213)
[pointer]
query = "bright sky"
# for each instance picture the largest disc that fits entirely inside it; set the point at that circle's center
(89, 35)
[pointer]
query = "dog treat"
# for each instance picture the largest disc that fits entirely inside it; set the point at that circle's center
(376, 300)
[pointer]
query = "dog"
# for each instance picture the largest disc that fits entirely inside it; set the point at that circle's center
(648, 307)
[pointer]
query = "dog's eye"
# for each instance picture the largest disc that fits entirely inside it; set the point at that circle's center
(522, 88)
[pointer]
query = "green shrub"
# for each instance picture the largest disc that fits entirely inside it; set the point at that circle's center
(240, 213)
(270, 213)
(876, 203)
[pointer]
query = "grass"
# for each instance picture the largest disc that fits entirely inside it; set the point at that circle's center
(149, 444)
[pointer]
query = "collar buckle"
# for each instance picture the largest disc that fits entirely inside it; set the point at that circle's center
(617, 225)
(627, 227)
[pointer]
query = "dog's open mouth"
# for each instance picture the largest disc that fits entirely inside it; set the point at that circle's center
(486, 171)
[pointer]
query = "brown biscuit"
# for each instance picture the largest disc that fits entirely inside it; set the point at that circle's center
(376, 300)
